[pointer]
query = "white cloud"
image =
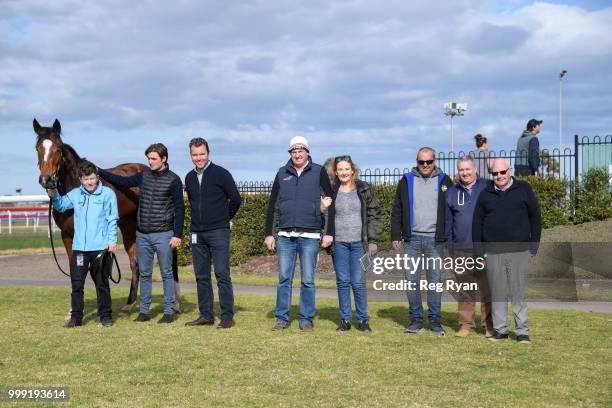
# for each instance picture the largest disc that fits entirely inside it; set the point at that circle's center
(368, 78)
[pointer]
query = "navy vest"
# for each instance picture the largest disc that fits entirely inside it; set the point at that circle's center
(299, 198)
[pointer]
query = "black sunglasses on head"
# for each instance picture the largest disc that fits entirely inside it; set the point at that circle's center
(427, 162)
(503, 172)
(347, 158)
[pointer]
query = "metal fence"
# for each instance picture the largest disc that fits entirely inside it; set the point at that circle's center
(567, 164)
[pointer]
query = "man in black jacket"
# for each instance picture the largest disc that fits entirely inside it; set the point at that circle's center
(214, 201)
(161, 214)
(418, 218)
(506, 229)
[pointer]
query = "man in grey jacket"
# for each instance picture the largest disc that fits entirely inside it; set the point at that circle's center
(528, 150)
(418, 218)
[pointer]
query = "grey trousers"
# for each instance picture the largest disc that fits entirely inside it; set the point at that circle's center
(508, 271)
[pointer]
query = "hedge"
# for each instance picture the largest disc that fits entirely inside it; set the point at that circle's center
(594, 197)
(594, 203)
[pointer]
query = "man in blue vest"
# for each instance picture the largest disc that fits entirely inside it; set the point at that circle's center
(296, 200)
(214, 201)
(460, 203)
(417, 218)
(527, 160)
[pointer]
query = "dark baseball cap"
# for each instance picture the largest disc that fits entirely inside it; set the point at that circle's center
(533, 123)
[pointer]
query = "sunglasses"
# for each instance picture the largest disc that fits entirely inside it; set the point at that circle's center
(425, 162)
(347, 158)
(503, 172)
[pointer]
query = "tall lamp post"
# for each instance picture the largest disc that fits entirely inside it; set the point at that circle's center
(561, 75)
(453, 109)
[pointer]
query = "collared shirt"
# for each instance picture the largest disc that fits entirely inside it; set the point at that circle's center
(199, 173)
(506, 187)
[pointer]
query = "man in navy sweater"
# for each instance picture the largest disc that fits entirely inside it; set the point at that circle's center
(460, 203)
(506, 229)
(214, 201)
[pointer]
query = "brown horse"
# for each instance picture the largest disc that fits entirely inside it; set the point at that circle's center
(58, 163)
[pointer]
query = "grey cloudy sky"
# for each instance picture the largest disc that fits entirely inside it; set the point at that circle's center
(367, 78)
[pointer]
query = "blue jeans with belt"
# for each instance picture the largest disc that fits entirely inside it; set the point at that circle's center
(349, 274)
(288, 249)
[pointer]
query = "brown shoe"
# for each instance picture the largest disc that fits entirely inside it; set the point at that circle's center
(166, 318)
(464, 333)
(142, 317)
(489, 333)
(306, 327)
(280, 326)
(200, 321)
(225, 324)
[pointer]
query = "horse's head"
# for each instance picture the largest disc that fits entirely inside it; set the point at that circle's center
(49, 149)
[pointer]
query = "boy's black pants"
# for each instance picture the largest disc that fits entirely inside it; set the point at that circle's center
(83, 261)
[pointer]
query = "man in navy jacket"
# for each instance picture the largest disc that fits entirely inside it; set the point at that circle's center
(460, 203)
(214, 201)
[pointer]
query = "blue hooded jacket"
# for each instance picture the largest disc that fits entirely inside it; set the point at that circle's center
(95, 216)
(460, 207)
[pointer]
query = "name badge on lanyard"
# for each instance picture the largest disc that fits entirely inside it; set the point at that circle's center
(79, 260)
(194, 238)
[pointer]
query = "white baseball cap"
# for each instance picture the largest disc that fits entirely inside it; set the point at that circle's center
(298, 142)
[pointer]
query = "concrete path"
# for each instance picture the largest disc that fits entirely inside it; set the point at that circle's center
(39, 270)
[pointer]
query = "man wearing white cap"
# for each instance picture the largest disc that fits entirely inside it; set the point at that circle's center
(296, 200)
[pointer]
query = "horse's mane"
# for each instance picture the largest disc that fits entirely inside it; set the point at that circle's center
(73, 152)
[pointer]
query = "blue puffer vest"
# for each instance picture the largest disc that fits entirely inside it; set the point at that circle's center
(299, 198)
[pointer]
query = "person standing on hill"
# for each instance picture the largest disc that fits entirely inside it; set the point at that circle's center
(482, 157)
(527, 161)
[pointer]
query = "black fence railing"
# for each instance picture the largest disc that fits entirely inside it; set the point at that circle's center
(254, 187)
(567, 164)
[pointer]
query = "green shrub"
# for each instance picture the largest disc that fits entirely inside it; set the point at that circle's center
(594, 198)
(553, 197)
(247, 236)
(386, 196)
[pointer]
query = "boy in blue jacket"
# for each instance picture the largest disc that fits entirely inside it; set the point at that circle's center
(95, 229)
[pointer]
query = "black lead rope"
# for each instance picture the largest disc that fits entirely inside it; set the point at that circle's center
(51, 238)
(106, 259)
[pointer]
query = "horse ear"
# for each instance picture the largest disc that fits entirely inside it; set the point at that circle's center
(36, 126)
(57, 128)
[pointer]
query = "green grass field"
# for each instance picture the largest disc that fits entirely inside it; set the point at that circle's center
(569, 362)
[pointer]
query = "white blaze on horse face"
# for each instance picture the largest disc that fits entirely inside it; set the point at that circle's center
(47, 145)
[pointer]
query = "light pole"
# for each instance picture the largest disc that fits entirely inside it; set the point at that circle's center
(453, 109)
(561, 75)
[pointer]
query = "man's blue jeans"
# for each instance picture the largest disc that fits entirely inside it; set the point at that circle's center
(146, 246)
(213, 246)
(349, 274)
(418, 246)
(288, 249)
